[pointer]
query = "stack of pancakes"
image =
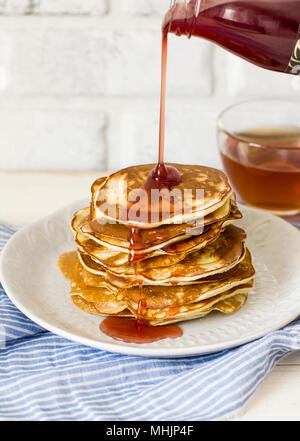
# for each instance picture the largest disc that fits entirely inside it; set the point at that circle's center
(189, 262)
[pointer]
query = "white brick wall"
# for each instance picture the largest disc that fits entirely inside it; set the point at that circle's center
(38, 139)
(80, 85)
(143, 7)
(248, 80)
(51, 61)
(134, 59)
(54, 7)
(70, 7)
(101, 62)
(184, 141)
(15, 7)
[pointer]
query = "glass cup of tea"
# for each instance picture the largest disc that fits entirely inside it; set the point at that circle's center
(259, 142)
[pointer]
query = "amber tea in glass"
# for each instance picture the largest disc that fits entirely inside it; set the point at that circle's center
(261, 154)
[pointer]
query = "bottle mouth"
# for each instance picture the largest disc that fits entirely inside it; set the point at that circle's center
(180, 18)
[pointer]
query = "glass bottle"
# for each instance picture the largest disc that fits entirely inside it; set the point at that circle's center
(263, 32)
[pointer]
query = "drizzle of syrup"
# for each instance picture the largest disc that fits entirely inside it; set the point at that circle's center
(136, 244)
(174, 282)
(161, 177)
(141, 312)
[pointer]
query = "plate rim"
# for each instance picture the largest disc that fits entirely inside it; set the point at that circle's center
(115, 346)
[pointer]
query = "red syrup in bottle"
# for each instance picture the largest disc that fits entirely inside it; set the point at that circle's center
(263, 32)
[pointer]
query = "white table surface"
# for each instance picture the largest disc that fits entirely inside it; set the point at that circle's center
(25, 197)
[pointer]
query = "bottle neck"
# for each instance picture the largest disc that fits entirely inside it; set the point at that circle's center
(181, 17)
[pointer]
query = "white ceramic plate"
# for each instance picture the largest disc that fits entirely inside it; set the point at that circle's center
(33, 282)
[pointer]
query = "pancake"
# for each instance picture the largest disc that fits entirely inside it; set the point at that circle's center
(71, 267)
(228, 304)
(107, 255)
(209, 189)
(118, 235)
(104, 295)
(94, 189)
(167, 236)
(181, 292)
(91, 308)
(91, 266)
(110, 258)
(222, 255)
(119, 262)
(168, 304)
(158, 297)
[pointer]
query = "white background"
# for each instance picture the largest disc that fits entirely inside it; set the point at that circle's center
(80, 85)
(79, 90)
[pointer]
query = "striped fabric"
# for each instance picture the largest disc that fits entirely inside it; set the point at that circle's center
(45, 377)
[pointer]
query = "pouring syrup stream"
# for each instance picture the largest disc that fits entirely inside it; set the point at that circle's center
(138, 330)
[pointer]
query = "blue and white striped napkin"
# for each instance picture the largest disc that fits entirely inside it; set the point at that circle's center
(46, 377)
